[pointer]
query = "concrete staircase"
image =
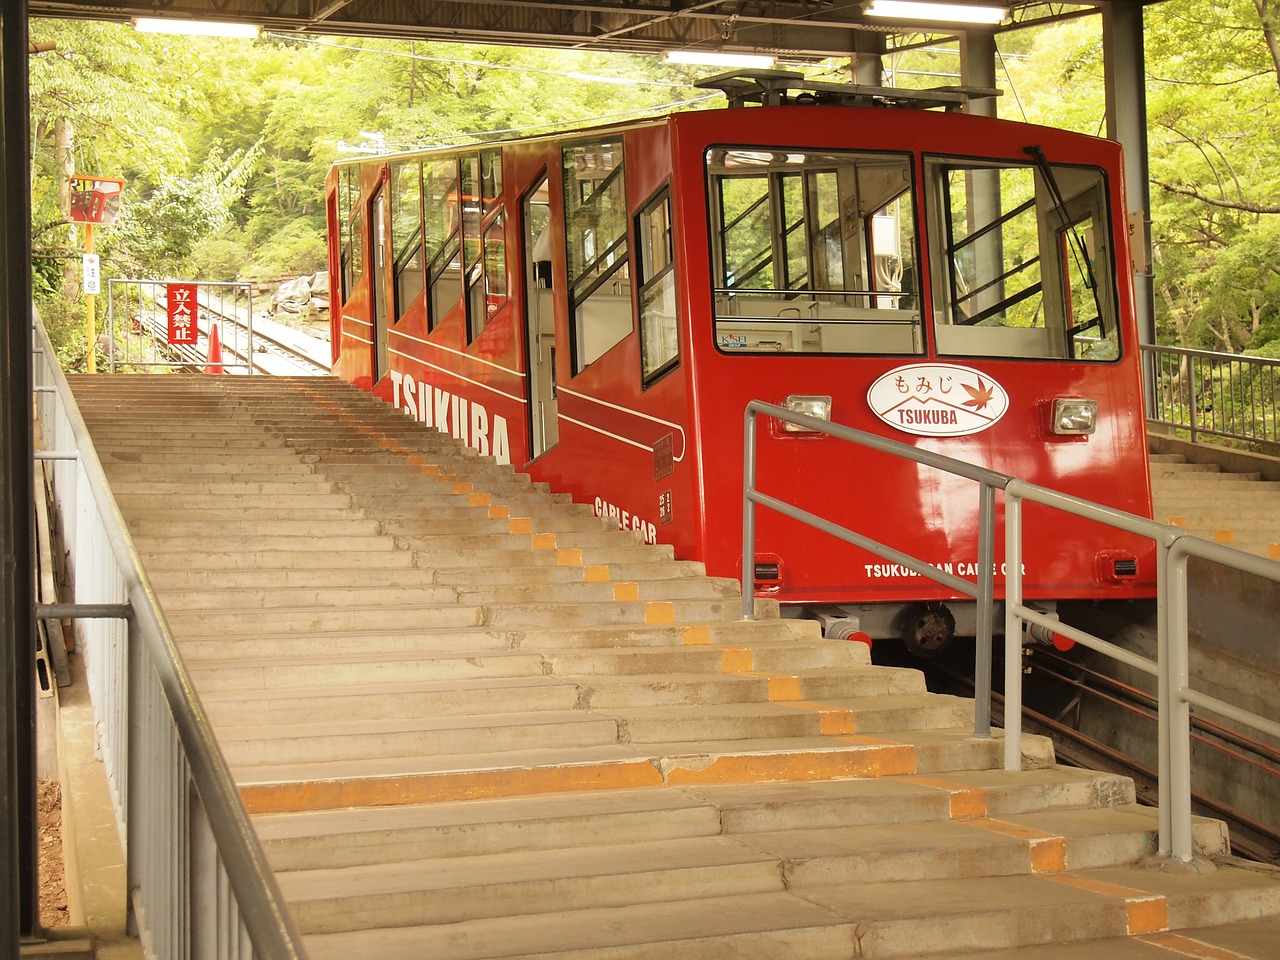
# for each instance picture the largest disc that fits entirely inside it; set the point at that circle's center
(473, 721)
(1237, 509)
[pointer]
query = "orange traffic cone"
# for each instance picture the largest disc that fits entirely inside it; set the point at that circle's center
(215, 351)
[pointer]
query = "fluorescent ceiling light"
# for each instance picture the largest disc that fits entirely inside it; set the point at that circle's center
(937, 12)
(709, 59)
(199, 28)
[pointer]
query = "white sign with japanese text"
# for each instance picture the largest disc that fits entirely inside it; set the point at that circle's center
(937, 400)
(91, 281)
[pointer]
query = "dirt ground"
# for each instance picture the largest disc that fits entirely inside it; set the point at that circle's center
(53, 889)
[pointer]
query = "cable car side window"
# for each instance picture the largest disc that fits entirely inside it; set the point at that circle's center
(406, 233)
(484, 239)
(813, 252)
(1023, 262)
(351, 224)
(442, 224)
(655, 270)
(596, 235)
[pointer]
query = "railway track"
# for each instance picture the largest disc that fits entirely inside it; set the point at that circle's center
(1250, 838)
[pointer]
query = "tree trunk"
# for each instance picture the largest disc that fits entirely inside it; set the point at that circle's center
(63, 137)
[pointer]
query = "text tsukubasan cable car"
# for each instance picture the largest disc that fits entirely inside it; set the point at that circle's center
(598, 307)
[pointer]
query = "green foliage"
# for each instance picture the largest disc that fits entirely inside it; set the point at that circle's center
(64, 322)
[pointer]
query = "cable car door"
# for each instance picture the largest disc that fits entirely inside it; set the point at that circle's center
(540, 322)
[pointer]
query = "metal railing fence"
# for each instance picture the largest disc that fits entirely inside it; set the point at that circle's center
(137, 325)
(1221, 395)
(1174, 547)
(198, 880)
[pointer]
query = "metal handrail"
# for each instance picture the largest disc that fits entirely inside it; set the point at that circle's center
(198, 878)
(1174, 546)
(1228, 396)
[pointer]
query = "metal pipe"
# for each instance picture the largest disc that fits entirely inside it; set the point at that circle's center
(76, 611)
(982, 654)
(1012, 629)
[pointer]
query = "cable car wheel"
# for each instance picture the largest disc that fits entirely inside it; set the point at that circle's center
(927, 629)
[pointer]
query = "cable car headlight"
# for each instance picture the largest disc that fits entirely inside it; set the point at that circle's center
(811, 406)
(1073, 417)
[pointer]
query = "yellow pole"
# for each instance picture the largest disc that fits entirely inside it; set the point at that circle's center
(91, 332)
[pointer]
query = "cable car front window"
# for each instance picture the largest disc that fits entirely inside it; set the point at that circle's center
(804, 256)
(1023, 262)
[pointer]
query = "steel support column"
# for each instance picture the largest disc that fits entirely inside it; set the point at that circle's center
(1124, 64)
(866, 62)
(19, 899)
(978, 68)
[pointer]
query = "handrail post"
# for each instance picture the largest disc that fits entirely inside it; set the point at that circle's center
(982, 654)
(1176, 676)
(749, 514)
(1192, 401)
(1162, 697)
(1012, 628)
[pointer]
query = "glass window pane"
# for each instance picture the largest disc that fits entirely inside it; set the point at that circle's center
(1024, 261)
(813, 252)
(596, 234)
(659, 339)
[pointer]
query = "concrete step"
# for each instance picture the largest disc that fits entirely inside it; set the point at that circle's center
(334, 740)
(194, 531)
(586, 877)
(392, 700)
(868, 920)
(243, 498)
(282, 559)
(333, 838)
(410, 779)
(1245, 940)
(328, 598)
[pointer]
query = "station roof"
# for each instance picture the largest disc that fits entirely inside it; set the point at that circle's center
(796, 29)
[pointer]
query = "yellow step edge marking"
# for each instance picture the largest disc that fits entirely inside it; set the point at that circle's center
(520, 525)
(476, 499)
(430, 469)
(736, 659)
(877, 760)
(569, 557)
(444, 787)
(832, 721)
(659, 611)
(595, 573)
(544, 541)
(966, 801)
(464, 487)
(416, 459)
(626, 591)
(695, 635)
(1178, 522)
(784, 689)
(1224, 536)
(1273, 549)
(1187, 947)
(1048, 850)
(498, 511)
(1144, 912)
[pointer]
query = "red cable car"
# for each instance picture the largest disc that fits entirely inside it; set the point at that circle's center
(610, 299)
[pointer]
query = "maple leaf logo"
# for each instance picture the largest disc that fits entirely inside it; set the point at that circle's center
(979, 396)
